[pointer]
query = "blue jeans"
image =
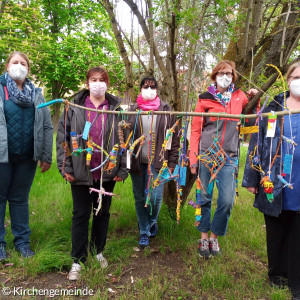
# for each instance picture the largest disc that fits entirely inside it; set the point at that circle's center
(15, 182)
(139, 185)
(225, 181)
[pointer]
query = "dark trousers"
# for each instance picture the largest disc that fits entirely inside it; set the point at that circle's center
(16, 178)
(283, 247)
(83, 202)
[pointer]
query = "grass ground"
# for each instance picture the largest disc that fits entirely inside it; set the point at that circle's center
(169, 269)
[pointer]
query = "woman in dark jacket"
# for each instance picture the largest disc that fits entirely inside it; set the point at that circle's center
(26, 137)
(77, 167)
(148, 100)
(281, 207)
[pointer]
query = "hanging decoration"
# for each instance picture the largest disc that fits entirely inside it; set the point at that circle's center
(214, 158)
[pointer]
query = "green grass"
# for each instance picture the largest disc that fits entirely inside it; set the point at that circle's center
(241, 272)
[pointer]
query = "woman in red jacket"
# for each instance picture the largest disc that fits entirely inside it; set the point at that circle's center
(221, 97)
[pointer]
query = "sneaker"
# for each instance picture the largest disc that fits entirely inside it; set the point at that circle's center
(204, 248)
(25, 251)
(102, 260)
(144, 241)
(2, 253)
(214, 247)
(153, 230)
(74, 273)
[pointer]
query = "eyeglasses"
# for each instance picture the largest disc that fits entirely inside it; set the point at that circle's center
(229, 74)
(152, 87)
(294, 77)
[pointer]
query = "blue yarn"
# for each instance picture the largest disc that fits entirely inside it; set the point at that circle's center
(210, 187)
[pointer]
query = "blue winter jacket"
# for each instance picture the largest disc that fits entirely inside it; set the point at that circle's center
(252, 178)
(42, 128)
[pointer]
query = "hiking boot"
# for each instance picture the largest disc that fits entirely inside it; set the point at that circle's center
(74, 273)
(144, 241)
(102, 260)
(153, 230)
(2, 253)
(214, 247)
(204, 248)
(25, 251)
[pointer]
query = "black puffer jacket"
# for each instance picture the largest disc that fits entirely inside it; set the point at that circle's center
(76, 119)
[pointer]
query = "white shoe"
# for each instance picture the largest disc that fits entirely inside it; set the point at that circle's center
(74, 273)
(102, 260)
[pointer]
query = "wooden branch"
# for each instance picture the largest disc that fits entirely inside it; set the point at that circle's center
(133, 50)
(192, 55)
(183, 113)
(294, 45)
(247, 26)
(144, 27)
(115, 26)
(269, 19)
(283, 35)
(172, 57)
(151, 31)
(266, 86)
(3, 3)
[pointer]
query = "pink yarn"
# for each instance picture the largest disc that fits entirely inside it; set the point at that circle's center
(148, 105)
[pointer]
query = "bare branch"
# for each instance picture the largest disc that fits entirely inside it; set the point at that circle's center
(133, 50)
(115, 26)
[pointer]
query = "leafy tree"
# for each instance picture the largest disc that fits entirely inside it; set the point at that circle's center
(63, 39)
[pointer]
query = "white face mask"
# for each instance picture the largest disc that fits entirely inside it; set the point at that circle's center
(149, 94)
(224, 81)
(295, 87)
(98, 89)
(17, 71)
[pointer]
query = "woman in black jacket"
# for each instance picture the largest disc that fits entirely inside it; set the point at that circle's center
(77, 168)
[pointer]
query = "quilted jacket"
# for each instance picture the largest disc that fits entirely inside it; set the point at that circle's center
(42, 129)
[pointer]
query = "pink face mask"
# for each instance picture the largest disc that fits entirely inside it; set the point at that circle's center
(98, 89)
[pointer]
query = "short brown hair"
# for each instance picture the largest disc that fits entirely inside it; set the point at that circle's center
(292, 68)
(222, 65)
(18, 53)
(100, 70)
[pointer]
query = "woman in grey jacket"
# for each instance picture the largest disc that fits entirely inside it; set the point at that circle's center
(77, 168)
(26, 138)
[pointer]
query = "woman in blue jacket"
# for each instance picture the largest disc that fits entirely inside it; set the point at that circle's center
(26, 137)
(282, 214)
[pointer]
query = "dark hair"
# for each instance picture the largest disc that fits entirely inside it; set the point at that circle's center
(221, 66)
(18, 53)
(100, 70)
(147, 79)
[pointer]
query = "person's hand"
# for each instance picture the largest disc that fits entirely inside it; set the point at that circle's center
(194, 170)
(253, 190)
(69, 177)
(117, 179)
(44, 166)
(251, 93)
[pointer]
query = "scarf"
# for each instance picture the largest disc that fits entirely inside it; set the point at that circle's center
(148, 105)
(23, 98)
(223, 98)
